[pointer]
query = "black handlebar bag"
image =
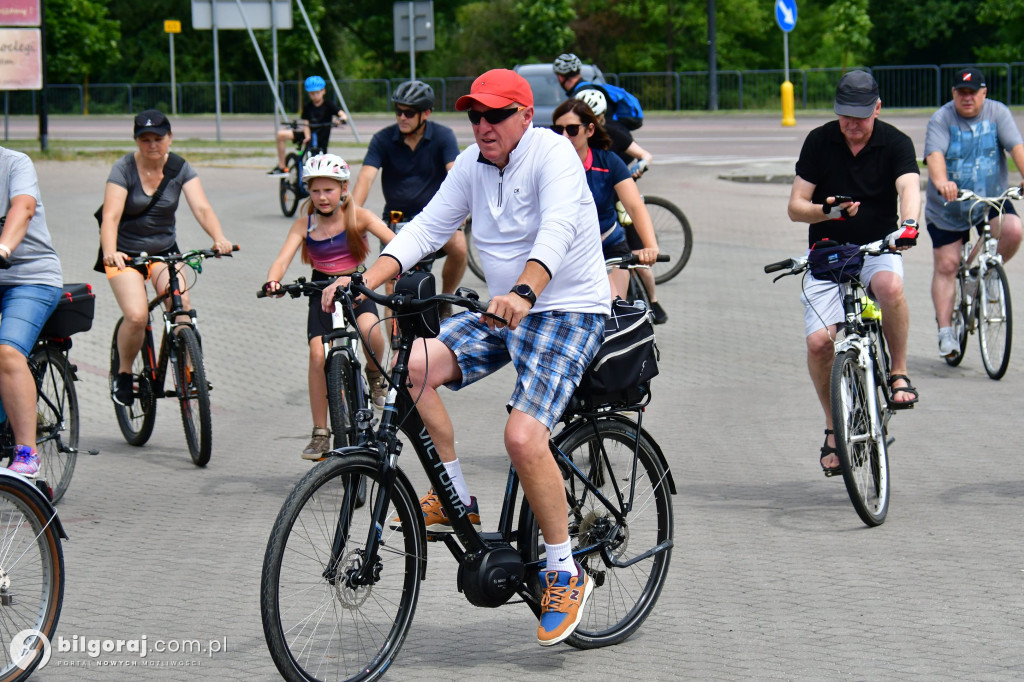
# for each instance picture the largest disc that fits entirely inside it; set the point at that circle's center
(834, 262)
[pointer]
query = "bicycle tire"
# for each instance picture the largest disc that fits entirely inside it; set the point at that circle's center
(288, 190)
(675, 238)
(863, 454)
(316, 630)
(961, 320)
(57, 419)
(32, 564)
(995, 321)
(622, 597)
(193, 396)
(136, 422)
(340, 403)
(473, 255)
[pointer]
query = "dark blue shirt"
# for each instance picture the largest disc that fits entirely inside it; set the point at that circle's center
(411, 177)
(604, 171)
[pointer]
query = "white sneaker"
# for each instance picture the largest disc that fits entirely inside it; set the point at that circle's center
(948, 343)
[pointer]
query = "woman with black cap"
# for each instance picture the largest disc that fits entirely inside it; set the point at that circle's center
(139, 204)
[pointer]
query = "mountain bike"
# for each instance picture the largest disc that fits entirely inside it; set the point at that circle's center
(671, 228)
(292, 188)
(340, 584)
(347, 393)
(860, 391)
(181, 353)
(31, 576)
(982, 299)
(57, 417)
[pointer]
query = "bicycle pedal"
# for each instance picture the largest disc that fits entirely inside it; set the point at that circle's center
(889, 441)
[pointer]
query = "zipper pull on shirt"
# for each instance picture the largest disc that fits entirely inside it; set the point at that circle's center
(501, 176)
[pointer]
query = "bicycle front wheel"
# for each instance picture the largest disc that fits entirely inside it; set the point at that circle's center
(474, 256)
(137, 421)
(193, 395)
(341, 399)
(56, 419)
(32, 574)
(319, 619)
(626, 583)
(961, 321)
(288, 190)
(995, 321)
(675, 238)
(861, 439)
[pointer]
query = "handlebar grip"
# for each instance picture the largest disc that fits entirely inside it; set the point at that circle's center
(663, 258)
(4, 263)
(781, 265)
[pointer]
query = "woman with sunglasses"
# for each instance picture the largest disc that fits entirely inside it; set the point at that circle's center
(609, 181)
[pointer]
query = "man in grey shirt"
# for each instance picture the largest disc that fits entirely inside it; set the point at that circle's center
(964, 149)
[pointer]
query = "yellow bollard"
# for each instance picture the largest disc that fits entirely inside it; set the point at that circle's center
(788, 119)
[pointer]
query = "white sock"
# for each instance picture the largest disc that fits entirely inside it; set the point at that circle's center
(559, 557)
(454, 470)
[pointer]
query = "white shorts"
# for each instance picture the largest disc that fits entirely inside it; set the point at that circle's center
(823, 305)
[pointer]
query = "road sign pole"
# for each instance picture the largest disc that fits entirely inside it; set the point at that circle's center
(412, 41)
(174, 87)
(785, 17)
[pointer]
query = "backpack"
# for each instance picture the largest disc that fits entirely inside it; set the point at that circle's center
(623, 105)
(627, 360)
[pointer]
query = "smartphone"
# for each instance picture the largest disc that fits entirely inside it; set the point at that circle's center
(842, 199)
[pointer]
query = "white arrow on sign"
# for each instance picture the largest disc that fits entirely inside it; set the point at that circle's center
(785, 11)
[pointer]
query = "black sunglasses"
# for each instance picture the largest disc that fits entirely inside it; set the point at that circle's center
(573, 129)
(492, 116)
(406, 113)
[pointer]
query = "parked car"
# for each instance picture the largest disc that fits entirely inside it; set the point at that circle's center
(547, 93)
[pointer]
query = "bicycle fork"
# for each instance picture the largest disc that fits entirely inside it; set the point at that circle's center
(866, 365)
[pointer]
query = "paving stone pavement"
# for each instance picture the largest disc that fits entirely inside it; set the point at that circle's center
(773, 575)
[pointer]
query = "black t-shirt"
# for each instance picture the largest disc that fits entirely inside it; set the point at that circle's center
(320, 114)
(621, 139)
(870, 178)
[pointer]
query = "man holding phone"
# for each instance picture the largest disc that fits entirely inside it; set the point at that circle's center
(848, 178)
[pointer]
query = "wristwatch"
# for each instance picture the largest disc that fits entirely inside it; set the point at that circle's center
(526, 292)
(909, 221)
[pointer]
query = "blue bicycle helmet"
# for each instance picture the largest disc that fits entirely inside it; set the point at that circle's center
(314, 83)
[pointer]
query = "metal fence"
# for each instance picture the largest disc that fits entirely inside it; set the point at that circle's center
(901, 87)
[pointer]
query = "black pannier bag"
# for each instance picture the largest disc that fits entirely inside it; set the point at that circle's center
(73, 314)
(627, 360)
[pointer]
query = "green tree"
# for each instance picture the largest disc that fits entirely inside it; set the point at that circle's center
(81, 40)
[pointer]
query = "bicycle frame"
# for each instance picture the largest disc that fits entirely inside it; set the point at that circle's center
(157, 367)
(862, 336)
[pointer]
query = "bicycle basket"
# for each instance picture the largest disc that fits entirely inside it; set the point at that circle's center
(835, 262)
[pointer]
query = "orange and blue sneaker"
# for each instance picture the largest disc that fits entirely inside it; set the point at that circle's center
(26, 461)
(565, 595)
(436, 519)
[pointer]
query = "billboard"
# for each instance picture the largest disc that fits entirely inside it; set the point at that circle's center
(21, 59)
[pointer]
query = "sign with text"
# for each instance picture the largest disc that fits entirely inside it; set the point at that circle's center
(21, 59)
(172, 26)
(19, 13)
(257, 13)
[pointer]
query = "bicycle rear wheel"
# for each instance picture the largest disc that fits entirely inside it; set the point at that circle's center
(675, 238)
(193, 395)
(136, 422)
(861, 439)
(32, 573)
(961, 321)
(56, 419)
(318, 622)
(995, 321)
(288, 190)
(341, 399)
(623, 595)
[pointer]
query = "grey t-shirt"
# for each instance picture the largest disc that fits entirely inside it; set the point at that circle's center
(153, 232)
(975, 159)
(33, 261)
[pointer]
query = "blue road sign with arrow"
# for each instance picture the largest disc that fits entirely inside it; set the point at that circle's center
(785, 14)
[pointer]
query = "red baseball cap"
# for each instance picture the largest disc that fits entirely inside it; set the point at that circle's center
(497, 89)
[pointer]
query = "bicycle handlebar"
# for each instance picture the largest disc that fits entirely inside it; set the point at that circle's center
(146, 259)
(297, 124)
(405, 304)
(300, 287)
(905, 236)
(633, 261)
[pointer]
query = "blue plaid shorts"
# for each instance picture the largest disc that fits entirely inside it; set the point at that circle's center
(549, 350)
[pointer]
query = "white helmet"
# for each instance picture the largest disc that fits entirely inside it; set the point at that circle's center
(594, 99)
(326, 166)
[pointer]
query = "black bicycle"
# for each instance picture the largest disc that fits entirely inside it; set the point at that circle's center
(180, 352)
(57, 416)
(347, 393)
(340, 582)
(637, 291)
(292, 188)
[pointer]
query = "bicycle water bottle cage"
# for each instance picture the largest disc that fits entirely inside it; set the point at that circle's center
(834, 262)
(427, 323)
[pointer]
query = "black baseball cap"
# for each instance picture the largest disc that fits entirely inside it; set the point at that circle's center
(152, 121)
(856, 95)
(969, 78)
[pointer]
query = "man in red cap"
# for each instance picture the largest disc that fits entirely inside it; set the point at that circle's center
(536, 228)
